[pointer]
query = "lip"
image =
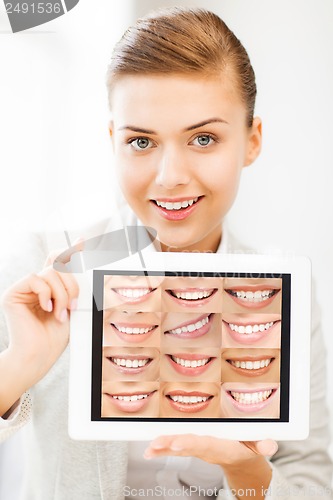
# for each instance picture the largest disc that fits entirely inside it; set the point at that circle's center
(251, 407)
(176, 215)
(191, 302)
(196, 332)
(253, 288)
(251, 372)
(133, 300)
(189, 407)
(130, 406)
(133, 337)
(130, 370)
(249, 338)
(189, 371)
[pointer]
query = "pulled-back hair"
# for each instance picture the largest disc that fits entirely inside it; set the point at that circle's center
(184, 41)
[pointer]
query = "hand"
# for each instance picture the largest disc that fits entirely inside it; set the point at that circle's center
(223, 452)
(37, 313)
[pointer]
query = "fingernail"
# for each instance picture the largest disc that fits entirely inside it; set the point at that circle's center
(147, 455)
(49, 305)
(272, 450)
(73, 304)
(63, 316)
(175, 447)
(157, 446)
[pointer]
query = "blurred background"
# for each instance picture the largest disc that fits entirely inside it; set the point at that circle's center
(55, 155)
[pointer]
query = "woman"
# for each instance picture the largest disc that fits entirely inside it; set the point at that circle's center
(182, 95)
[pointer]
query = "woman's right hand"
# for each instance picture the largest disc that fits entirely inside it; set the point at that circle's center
(37, 312)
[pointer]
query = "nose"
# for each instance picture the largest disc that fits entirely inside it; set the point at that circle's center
(172, 169)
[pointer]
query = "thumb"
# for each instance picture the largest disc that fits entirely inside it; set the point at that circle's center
(267, 447)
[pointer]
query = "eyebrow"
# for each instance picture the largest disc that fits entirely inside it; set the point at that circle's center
(140, 130)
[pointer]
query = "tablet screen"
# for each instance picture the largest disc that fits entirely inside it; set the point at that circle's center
(190, 346)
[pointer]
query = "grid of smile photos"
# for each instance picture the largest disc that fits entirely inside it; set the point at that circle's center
(191, 347)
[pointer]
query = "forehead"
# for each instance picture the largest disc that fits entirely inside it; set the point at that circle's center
(165, 99)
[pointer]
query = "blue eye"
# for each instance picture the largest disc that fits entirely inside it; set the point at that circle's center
(140, 143)
(203, 140)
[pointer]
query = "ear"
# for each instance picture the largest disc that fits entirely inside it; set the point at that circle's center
(254, 142)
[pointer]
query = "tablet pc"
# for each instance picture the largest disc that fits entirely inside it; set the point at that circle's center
(210, 344)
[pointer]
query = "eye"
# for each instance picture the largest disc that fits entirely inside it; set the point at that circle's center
(141, 143)
(203, 140)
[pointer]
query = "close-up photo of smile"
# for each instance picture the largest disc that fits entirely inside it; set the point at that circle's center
(191, 330)
(121, 328)
(251, 330)
(239, 365)
(130, 363)
(250, 400)
(131, 399)
(192, 293)
(136, 293)
(204, 363)
(255, 294)
(186, 399)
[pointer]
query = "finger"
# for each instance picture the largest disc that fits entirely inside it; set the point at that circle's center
(32, 284)
(266, 447)
(59, 293)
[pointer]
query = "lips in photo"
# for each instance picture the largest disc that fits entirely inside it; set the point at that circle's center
(244, 365)
(202, 364)
(137, 399)
(191, 329)
(250, 400)
(130, 363)
(186, 399)
(136, 293)
(251, 294)
(123, 328)
(192, 293)
(251, 330)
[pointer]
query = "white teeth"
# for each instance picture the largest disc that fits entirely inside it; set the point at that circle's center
(248, 329)
(190, 363)
(190, 328)
(130, 363)
(133, 293)
(189, 399)
(133, 331)
(257, 296)
(176, 205)
(193, 295)
(135, 397)
(248, 398)
(251, 365)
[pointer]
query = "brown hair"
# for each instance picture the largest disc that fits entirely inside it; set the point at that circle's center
(184, 41)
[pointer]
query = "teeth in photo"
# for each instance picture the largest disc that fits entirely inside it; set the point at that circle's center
(178, 205)
(130, 363)
(257, 296)
(251, 365)
(189, 399)
(190, 363)
(190, 328)
(202, 294)
(133, 293)
(133, 331)
(248, 329)
(251, 397)
(135, 397)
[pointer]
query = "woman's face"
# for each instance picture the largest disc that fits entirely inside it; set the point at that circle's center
(180, 144)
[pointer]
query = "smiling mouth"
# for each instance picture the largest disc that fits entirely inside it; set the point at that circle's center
(130, 363)
(192, 295)
(257, 296)
(131, 402)
(191, 402)
(251, 398)
(133, 293)
(198, 328)
(251, 365)
(249, 329)
(135, 330)
(177, 205)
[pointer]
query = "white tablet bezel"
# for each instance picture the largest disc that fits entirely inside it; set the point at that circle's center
(82, 427)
